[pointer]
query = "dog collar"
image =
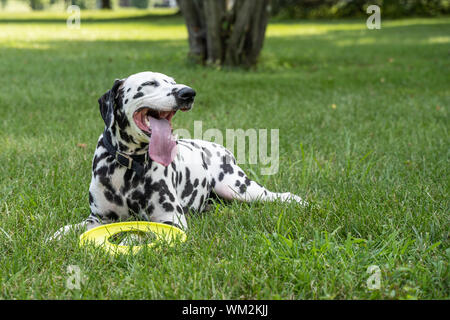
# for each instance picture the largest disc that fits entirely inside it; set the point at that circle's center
(134, 162)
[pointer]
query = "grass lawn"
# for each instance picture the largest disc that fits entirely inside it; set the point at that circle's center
(363, 118)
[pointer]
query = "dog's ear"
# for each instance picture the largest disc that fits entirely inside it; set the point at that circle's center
(107, 101)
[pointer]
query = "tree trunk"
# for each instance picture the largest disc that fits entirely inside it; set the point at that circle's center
(195, 22)
(106, 4)
(36, 5)
(225, 32)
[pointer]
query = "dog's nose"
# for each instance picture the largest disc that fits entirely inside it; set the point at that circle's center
(186, 94)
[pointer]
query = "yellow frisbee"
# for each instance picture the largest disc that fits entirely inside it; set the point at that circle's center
(100, 235)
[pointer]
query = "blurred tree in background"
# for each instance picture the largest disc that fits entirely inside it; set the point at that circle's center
(353, 8)
(37, 4)
(141, 4)
(290, 9)
(83, 4)
(106, 4)
(225, 32)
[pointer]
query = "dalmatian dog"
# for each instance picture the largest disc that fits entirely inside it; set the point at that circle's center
(141, 171)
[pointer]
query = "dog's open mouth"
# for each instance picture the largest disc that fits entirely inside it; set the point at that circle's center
(143, 116)
(157, 126)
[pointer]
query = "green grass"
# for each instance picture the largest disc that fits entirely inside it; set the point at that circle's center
(363, 120)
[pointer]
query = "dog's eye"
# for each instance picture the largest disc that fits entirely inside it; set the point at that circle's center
(148, 83)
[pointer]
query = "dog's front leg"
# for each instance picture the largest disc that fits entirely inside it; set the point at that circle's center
(165, 214)
(162, 203)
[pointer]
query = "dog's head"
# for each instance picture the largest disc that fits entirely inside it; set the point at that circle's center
(138, 112)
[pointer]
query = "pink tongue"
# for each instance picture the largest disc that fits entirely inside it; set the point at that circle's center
(162, 146)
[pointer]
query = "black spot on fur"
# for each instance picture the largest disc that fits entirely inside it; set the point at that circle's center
(242, 188)
(150, 209)
(135, 181)
(206, 157)
(106, 181)
(126, 137)
(149, 188)
(112, 168)
(138, 95)
(160, 187)
(143, 144)
(168, 207)
(162, 198)
(139, 197)
(122, 121)
(204, 164)
(221, 176)
(191, 201)
(99, 158)
(127, 181)
(133, 206)
(114, 198)
(188, 187)
(111, 215)
(101, 171)
(226, 166)
(174, 179)
(208, 153)
(122, 147)
(194, 145)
